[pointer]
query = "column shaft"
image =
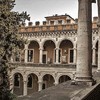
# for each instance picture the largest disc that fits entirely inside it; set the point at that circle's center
(84, 42)
(57, 55)
(26, 53)
(41, 54)
(99, 35)
(74, 55)
(94, 56)
(25, 88)
(40, 86)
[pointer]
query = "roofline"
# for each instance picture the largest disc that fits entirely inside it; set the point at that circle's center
(60, 15)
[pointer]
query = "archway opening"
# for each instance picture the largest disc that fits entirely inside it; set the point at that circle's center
(66, 52)
(48, 81)
(64, 78)
(97, 53)
(32, 83)
(33, 52)
(48, 52)
(18, 84)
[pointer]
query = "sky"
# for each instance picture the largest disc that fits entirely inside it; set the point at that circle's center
(38, 9)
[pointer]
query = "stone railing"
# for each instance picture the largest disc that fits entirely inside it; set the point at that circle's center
(44, 28)
(43, 65)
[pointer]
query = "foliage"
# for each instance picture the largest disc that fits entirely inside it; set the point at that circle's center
(9, 40)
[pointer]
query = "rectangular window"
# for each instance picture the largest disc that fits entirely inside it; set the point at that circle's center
(51, 22)
(71, 53)
(59, 21)
(68, 21)
(30, 55)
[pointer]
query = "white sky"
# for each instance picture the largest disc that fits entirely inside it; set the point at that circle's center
(38, 9)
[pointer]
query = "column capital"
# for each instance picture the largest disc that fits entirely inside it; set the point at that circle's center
(57, 48)
(94, 48)
(40, 48)
(26, 46)
(74, 48)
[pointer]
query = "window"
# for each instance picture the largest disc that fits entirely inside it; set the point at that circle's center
(17, 80)
(59, 21)
(52, 22)
(71, 56)
(29, 83)
(30, 55)
(68, 21)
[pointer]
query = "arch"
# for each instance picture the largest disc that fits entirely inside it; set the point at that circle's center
(66, 52)
(33, 52)
(18, 84)
(35, 41)
(30, 44)
(43, 42)
(32, 83)
(48, 81)
(64, 78)
(68, 39)
(49, 51)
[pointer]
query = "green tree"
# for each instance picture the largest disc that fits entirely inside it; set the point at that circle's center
(9, 40)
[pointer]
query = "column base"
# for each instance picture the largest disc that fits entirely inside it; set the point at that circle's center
(85, 80)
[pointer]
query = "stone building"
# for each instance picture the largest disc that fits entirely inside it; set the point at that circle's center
(49, 57)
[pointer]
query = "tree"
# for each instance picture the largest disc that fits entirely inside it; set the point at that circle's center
(9, 39)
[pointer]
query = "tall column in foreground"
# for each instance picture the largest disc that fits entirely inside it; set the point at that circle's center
(84, 42)
(99, 35)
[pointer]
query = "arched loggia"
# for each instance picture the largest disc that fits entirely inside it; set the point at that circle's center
(32, 83)
(33, 52)
(48, 52)
(64, 78)
(48, 81)
(66, 52)
(18, 84)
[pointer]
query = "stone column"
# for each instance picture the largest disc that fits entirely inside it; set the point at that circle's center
(84, 43)
(25, 87)
(40, 83)
(26, 53)
(74, 55)
(41, 54)
(98, 35)
(57, 55)
(93, 56)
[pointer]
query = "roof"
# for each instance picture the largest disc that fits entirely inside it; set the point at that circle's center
(57, 16)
